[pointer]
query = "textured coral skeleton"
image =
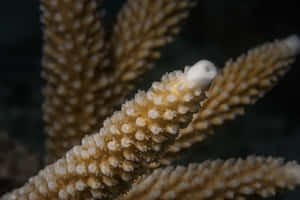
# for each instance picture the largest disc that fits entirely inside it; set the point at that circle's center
(100, 151)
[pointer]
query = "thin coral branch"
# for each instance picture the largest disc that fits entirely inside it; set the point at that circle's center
(142, 29)
(74, 56)
(107, 163)
(241, 83)
(218, 180)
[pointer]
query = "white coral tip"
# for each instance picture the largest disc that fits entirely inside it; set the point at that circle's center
(294, 171)
(201, 73)
(293, 42)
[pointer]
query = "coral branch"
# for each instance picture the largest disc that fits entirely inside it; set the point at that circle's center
(142, 29)
(216, 180)
(75, 59)
(106, 163)
(241, 83)
(75, 52)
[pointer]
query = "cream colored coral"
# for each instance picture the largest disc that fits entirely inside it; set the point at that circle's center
(218, 180)
(142, 28)
(74, 55)
(81, 90)
(106, 163)
(241, 82)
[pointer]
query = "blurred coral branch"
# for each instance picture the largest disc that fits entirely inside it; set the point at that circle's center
(17, 164)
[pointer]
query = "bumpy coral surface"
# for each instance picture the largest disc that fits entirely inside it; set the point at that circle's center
(87, 76)
(74, 55)
(106, 163)
(241, 83)
(89, 73)
(215, 180)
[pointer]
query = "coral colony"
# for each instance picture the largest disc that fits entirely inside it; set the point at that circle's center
(97, 150)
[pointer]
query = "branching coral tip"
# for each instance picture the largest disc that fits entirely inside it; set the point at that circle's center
(293, 42)
(201, 73)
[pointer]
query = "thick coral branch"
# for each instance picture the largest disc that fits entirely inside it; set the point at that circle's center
(142, 29)
(241, 83)
(75, 42)
(216, 180)
(75, 63)
(107, 163)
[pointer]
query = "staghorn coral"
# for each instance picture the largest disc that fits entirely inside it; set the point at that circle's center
(89, 73)
(76, 52)
(230, 179)
(239, 84)
(107, 163)
(142, 28)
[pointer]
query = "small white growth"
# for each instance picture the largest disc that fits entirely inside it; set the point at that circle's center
(62, 194)
(129, 156)
(130, 111)
(140, 122)
(187, 97)
(43, 189)
(171, 98)
(140, 136)
(293, 42)
(127, 167)
(126, 142)
(113, 129)
(172, 129)
(112, 145)
(80, 185)
(293, 171)
(169, 115)
(70, 189)
(99, 140)
(81, 169)
(92, 168)
(157, 100)
(183, 109)
(105, 169)
(155, 129)
(92, 151)
(153, 114)
(201, 74)
(126, 128)
(85, 155)
(113, 161)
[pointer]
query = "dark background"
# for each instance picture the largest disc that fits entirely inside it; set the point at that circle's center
(216, 30)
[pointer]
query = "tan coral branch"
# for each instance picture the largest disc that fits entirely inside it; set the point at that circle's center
(142, 29)
(106, 163)
(218, 180)
(241, 83)
(106, 92)
(75, 59)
